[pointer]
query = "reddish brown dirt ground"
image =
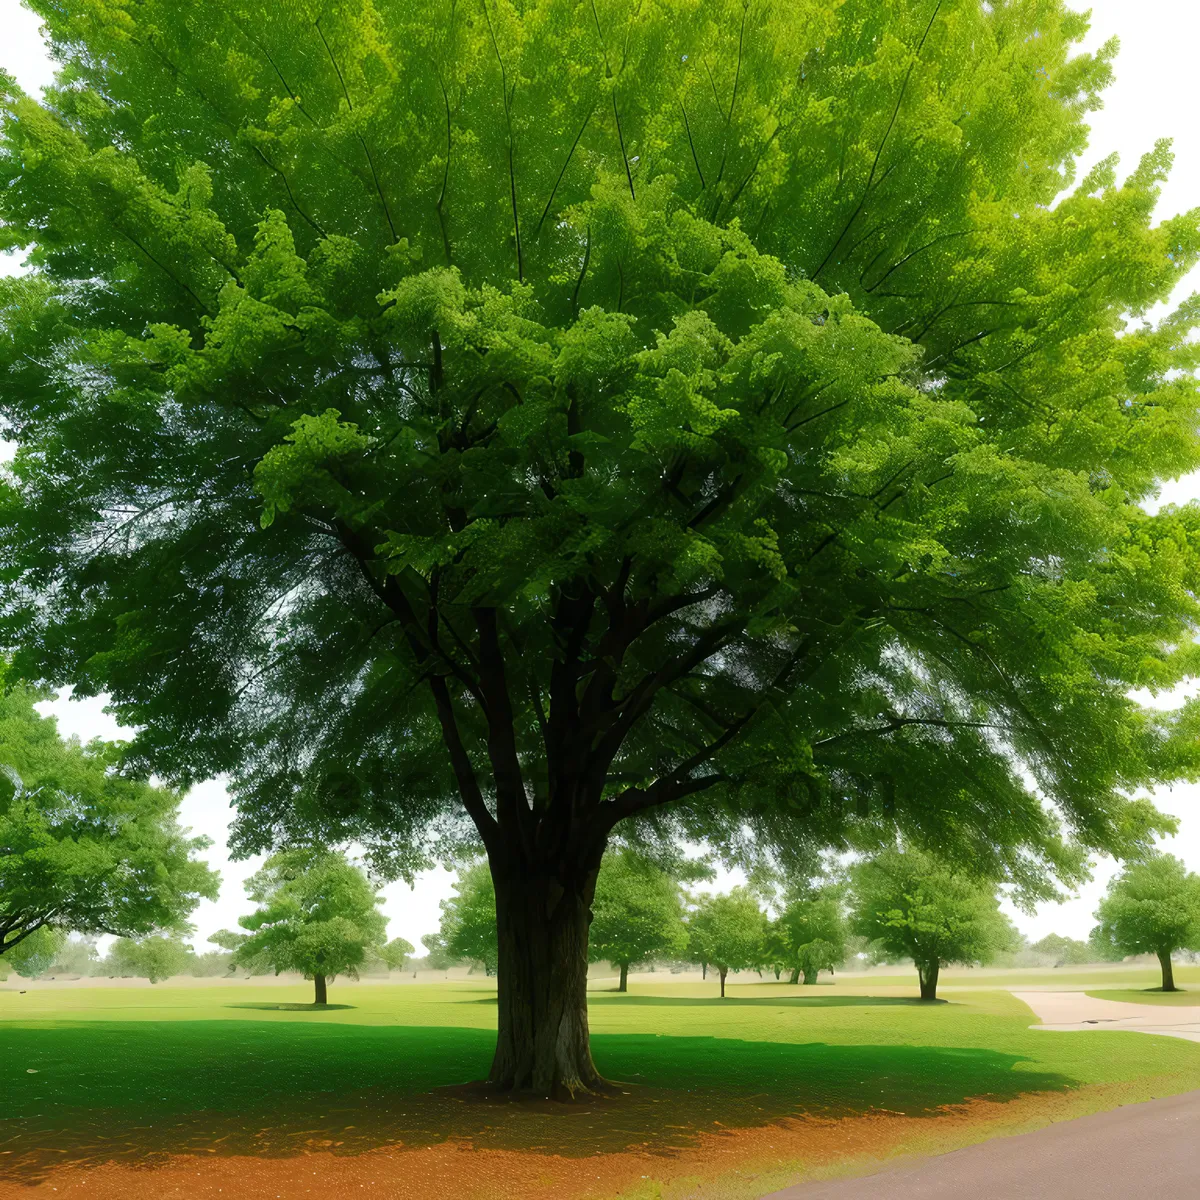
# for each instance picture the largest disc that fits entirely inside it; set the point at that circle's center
(723, 1163)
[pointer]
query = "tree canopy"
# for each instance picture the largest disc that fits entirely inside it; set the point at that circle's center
(637, 914)
(84, 844)
(725, 416)
(1151, 907)
(933, 913)
(153, 958)
(318, 914)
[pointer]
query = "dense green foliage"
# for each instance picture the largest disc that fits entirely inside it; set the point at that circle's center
(809, 935)
(915, 905)
(637, 914)
(727, 931)
(1151, 907)
(318, 914)
(627, 402)
(84, 845)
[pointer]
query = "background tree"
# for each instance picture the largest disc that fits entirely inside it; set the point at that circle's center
(712, 417)
(637, 914)
(468, 926)
(77, 956)
(1064, 951)
(154, 958)
(396, 953)
(813, 929)
(915, 905)
(437, 957)
(318, 914)
(729, 930)
(1152, 907)
(84, 845)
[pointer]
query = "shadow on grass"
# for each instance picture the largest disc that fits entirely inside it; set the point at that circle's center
(830, 1001)
(264, 1007)
(139, 1092)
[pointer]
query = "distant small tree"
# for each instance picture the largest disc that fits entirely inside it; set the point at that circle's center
(637, 914)
(437, 957)
(318, 914)
(729, 931)
(154, 958)
(210, 964)
(468, 928)
(1064, 951)
(1152, 907)
(77, 956)
(916, 906)
(812, 930)
(396, 953)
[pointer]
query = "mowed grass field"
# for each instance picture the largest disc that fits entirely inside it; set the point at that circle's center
(233, 1090)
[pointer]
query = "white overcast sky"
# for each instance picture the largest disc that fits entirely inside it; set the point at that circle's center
(1154, 96)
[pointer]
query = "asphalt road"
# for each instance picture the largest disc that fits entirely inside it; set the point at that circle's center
(1138, 1152)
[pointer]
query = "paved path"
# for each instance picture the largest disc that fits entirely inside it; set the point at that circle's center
(1138, 1152)
(1074, 1010)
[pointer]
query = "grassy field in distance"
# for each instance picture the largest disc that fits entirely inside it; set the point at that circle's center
(725, 1098)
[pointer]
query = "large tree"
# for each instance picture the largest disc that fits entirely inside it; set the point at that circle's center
(637, 914)
(84, 844)
(914, 905)
(317, 914)
(1151, 907)
(726, 417)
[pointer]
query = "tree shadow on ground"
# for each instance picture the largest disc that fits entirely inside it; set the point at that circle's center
(318, 1008)
(827, 1001)
(140, 1092)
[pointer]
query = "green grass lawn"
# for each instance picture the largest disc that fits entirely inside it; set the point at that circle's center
(1187, 997)
(94, 1074)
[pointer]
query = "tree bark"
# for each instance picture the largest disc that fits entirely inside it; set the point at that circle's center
(1168, 971)
(928, 975)
(321, 993)
(623, 985)
(542, 1029)
(810, 976)
(724, 971)
(795, 976)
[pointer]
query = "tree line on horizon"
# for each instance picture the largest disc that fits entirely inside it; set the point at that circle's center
(318, 912)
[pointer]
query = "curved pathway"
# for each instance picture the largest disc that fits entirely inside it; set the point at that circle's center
(1137, 1152)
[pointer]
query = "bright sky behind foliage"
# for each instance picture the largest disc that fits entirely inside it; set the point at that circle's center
(1154, 96)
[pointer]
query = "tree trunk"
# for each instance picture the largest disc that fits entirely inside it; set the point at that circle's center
(795, 976)
(724, 971)
(623, 985)
(810, 976)
(321, 994)
(704, 970)
(928, 975)
(542, 1026)
(778, 972)
(1168, 971)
